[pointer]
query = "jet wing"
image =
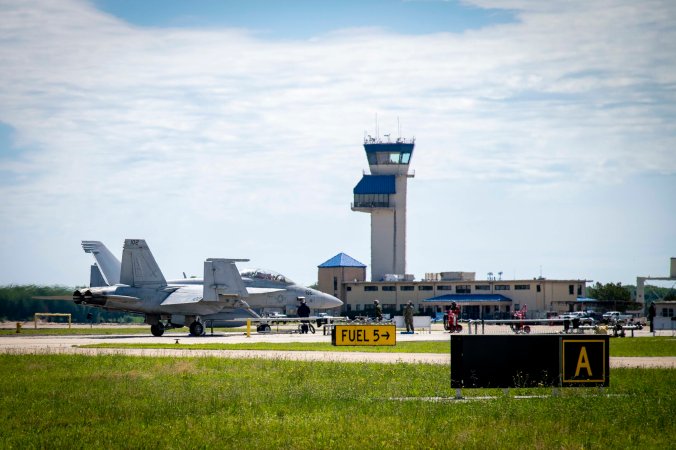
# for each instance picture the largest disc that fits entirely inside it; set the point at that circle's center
(192, 296)
(181, 300)
(255, 290)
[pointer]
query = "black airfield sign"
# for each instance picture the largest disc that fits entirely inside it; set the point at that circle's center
(529, 360)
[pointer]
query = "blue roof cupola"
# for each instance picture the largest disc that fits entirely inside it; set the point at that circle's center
(342, 260)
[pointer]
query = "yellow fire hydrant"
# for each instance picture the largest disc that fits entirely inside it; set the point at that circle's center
(18, 327)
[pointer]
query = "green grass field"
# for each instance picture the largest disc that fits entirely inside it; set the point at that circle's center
(72, 401)
(652, 346)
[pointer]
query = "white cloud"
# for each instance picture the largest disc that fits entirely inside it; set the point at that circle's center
(185, 127)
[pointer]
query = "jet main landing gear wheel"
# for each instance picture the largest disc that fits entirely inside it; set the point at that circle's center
(263, 328)
(196, 329)
(157, 329)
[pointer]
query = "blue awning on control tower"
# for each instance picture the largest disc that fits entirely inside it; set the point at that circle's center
(375, 184)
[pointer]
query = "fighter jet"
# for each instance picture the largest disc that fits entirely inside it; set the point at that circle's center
(222, 295)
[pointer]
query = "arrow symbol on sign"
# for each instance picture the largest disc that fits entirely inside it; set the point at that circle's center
(386, 335)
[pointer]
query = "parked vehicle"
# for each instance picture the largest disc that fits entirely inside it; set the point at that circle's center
(616, 316)
(583, 317)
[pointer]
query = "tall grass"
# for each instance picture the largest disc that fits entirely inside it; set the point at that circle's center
(72, 401)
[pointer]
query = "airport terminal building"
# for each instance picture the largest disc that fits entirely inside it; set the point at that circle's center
(344, 277)
(382, 194)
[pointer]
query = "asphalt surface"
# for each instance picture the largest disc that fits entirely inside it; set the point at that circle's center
(25, 344)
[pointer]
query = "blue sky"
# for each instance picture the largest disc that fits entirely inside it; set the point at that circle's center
(304, 19)
(545, 133)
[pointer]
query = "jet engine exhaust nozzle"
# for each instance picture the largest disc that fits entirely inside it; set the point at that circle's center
(78, 297)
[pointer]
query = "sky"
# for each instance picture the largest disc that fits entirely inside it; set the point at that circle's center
(545, 133)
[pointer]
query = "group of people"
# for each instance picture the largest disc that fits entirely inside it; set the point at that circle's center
(304, 311)
(409, 310)
(452, 315)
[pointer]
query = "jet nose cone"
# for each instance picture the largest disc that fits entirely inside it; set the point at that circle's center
(329, 301)
(320, 300)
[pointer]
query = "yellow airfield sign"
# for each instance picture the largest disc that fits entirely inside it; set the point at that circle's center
(364, 335)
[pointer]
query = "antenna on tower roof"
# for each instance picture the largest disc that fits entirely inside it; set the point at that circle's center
(398, 130)
(377, 131)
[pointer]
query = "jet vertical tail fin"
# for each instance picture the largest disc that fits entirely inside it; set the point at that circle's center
(221, 277)
(95, 277)
(139, 268)
(108, 263)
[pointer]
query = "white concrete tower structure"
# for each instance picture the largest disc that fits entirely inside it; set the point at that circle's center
(383, 195)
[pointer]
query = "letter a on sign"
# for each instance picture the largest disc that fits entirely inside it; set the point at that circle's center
(583, 362)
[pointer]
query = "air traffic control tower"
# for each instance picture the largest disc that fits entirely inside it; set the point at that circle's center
(383, 195)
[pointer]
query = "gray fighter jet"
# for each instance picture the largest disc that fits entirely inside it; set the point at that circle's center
(223, 295)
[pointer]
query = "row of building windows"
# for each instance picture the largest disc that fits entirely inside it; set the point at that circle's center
(467, 289)
(460, 289)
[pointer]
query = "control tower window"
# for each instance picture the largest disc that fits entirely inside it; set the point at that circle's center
(371, 200)
(382, 158)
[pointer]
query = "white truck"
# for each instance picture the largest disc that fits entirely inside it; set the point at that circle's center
(616, 316)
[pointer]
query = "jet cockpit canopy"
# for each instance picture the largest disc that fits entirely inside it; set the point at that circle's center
(264, 274)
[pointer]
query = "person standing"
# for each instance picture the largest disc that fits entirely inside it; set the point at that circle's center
(303, 311)
(379, 310)
(453, 316)
(408, 317)
(651, 316)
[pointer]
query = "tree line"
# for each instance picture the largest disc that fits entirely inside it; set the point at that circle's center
(623, 298)
(17, 304)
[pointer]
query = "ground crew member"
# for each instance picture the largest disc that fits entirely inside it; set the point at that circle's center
(651, 316)
(453, 314)
(379, 310)
(408, 317)
(303, 311)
